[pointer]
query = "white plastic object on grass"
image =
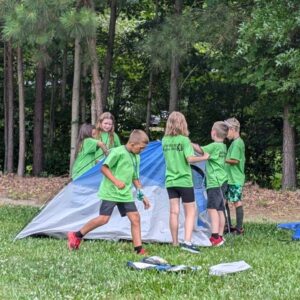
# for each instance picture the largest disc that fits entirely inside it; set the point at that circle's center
(228, 268)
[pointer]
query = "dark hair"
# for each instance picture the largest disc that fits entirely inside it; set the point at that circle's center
(85, 131)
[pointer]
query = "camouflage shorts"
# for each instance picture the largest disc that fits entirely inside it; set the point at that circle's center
(234, 192)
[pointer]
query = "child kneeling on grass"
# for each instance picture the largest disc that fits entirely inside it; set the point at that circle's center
(120, 170)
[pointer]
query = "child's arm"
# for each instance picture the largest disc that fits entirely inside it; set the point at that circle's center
(107, 173)
(197, 148)
(138, 186)
(232, 161)
(195, 159)
(103, 147)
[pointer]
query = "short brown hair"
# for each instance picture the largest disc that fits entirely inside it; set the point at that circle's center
(233, 123)
(176, 124)
(138, 136)
(221, 129)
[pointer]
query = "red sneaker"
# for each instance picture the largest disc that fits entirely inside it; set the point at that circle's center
(143, 252)
(216, 242)
(73, 241)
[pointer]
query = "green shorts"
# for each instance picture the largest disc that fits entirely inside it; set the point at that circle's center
(234, 192)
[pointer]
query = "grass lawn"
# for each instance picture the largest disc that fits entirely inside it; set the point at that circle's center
(43, 268)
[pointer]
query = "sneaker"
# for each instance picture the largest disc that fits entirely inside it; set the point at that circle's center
(189, 247)
(143, 252)
(232, 229)
(239, 231)
(216, 242)
(73, 241)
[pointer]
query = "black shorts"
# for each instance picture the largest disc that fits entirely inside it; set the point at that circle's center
(215, 197)
(186, 194)
(107, 207)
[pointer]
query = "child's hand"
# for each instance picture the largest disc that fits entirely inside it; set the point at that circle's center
(119, 184)
(205, 156)
(146, 203)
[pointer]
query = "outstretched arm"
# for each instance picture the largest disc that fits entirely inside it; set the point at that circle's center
(195, 159)
(232, 161)
(197, 148)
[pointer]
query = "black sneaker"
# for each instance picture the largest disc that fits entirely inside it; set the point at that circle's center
(190, 248)
(232, 229)
(239, 231)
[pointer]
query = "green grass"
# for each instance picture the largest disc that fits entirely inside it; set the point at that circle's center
(43, 268)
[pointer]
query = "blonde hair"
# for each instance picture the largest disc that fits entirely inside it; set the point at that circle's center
(176, 124)
(221, 129)
(102, 117)
(233, 123)
(138, 136)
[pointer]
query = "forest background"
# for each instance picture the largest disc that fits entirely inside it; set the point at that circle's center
(65, 62)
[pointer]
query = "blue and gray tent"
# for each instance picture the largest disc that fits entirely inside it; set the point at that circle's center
(77, 203)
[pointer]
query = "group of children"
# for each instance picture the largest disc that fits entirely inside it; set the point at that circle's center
(224, 177)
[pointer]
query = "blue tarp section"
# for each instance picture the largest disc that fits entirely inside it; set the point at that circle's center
(78, 202)
(292, 226)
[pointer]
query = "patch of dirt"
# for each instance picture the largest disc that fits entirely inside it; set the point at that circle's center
(259, 204)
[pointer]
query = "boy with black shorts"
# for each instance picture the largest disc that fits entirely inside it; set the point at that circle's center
(235, 167)
(216, 180)
(120, 170)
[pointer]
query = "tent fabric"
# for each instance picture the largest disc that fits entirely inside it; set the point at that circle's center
(292, 226)
(77, 203)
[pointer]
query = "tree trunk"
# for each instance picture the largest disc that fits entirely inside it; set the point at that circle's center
(117, 97)
(174, 99)
(93, 105)
(95, 77)
(83, 94)
(10, 108)
(22, 144)
(38, 151)
(289, 179)
(149, 101)
(109, 52)
(64, 77)
(75, 100)
(5, 106)
(52, 106)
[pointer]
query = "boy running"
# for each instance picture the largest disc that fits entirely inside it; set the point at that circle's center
(120, 170)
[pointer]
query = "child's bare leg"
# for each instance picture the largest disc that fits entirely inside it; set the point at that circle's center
(134, 218)
(190, 213)
(221, 222)
(214, 217)
(174, 219)
(94, 223)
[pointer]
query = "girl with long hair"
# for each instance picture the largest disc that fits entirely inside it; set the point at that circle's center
(179, 153)
(106, 135)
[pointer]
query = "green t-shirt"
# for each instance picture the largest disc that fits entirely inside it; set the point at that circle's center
(236, 172)
(124, 165)
(106, 140)
(85, 158)
(215, 166)
(176, 149)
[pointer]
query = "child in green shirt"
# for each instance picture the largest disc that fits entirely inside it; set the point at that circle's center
(179, 153)
(216, 180)
(235, 167)
(120, 170)
(86, 148)
(106, 135)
